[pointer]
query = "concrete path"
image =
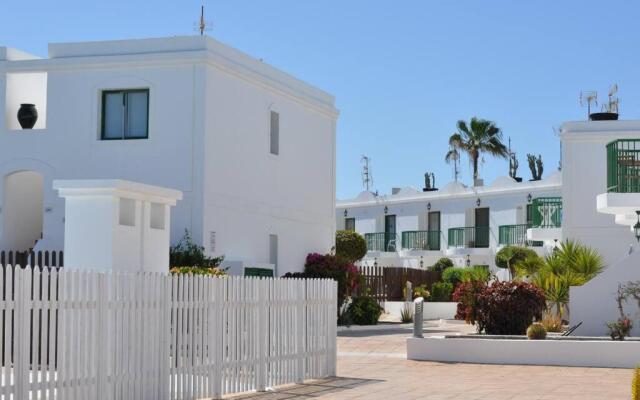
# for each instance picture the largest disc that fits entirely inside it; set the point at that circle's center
(372, 365)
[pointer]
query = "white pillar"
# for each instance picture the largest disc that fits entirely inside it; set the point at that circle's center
(116, 225)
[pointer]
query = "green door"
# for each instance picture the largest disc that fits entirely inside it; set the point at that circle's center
(390, 233)
(433, 228)
(481, 236)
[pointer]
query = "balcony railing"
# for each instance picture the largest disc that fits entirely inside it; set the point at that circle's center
(421, 240)
(510, 235)
(469, 237)
(381, 241)
(547, 212)
(623, 166)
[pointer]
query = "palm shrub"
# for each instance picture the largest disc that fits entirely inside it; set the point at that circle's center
(571, 264)
(477, 137)
(477, 273)
(350, 245)
(453, 275)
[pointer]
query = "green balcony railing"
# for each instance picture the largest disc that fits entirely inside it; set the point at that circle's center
(421, 240)
(547, 212)
(381, 241)
(510, 235)
(623, 166)
(469, 237)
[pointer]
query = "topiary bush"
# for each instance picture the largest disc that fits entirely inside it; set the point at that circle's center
(350, 245)
(441, 291)
(508, 308)
(536, 331)
(442, 264)
(364, 310)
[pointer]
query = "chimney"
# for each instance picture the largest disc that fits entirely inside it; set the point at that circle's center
(395, 190)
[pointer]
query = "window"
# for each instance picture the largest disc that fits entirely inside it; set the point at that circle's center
(350, 224)
(274, 133)
(125, 114)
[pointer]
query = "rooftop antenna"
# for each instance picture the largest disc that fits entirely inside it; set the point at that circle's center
(367, 177)
(612, 105)
(203, 25)
(587, 97)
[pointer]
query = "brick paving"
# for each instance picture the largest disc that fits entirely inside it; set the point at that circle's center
(373, 366)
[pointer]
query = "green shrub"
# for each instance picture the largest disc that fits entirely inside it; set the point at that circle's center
(454, 275)
(442, 264)
(187, 253)
(364, 310)
(441, 291)
(536, 331)
(350, 245)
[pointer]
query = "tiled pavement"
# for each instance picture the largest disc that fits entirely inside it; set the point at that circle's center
(372, 366)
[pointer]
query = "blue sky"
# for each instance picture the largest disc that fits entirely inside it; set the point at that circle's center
(403, 72)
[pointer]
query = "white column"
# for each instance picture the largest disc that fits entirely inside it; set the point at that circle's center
(116, 225)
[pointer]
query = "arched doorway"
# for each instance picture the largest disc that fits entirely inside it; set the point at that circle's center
(22, 210)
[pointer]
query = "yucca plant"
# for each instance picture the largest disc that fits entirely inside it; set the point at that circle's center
(406, 314)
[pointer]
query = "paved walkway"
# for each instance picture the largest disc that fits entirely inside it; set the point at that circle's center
(373, 365)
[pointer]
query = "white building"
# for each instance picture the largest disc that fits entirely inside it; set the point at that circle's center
(251, 148)
(413, 228)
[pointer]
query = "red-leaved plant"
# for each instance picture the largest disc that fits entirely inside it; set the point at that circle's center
(508, 308)
(467, 294)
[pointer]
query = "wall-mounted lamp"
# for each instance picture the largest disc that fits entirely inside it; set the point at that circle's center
(421, 263)
(346, 213)
(48, 209)
(636, 227)
(468, 262)
(478, 202)
(429, 206)
(529, 198)
(375, 262)
(386, 209)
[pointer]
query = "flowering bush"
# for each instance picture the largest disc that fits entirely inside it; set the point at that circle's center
(508, 308)
(198, 271)
(421, 291)
(467, 294)
(620, 329)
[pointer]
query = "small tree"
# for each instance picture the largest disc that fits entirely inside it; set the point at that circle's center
(350, 245)
(510, 256)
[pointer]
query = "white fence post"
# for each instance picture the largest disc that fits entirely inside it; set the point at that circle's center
(265, 289)
(21, 338)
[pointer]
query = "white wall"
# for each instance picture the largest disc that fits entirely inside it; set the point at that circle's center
(584, 177)
(208, 130)
(22, 210)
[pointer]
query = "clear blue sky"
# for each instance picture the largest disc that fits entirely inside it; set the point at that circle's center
(403, 72)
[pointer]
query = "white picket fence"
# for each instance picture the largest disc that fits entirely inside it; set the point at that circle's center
(71, 335)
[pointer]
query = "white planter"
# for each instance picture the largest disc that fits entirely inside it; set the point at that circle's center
(565, 352)
(435, 310)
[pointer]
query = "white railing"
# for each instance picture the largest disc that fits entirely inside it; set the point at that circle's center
(75, 335)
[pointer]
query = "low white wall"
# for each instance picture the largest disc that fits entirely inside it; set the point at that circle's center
(431, 310)
(572, 353)
(594, 304)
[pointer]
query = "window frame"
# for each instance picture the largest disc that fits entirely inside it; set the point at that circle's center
(103, 95)
(273, 112)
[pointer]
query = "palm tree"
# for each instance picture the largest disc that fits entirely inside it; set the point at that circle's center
(475, 138)
(453, 156)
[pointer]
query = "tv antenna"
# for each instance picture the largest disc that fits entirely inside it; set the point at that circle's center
(612, 105)
(367, 177)
(203, 25)
(586, 98)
